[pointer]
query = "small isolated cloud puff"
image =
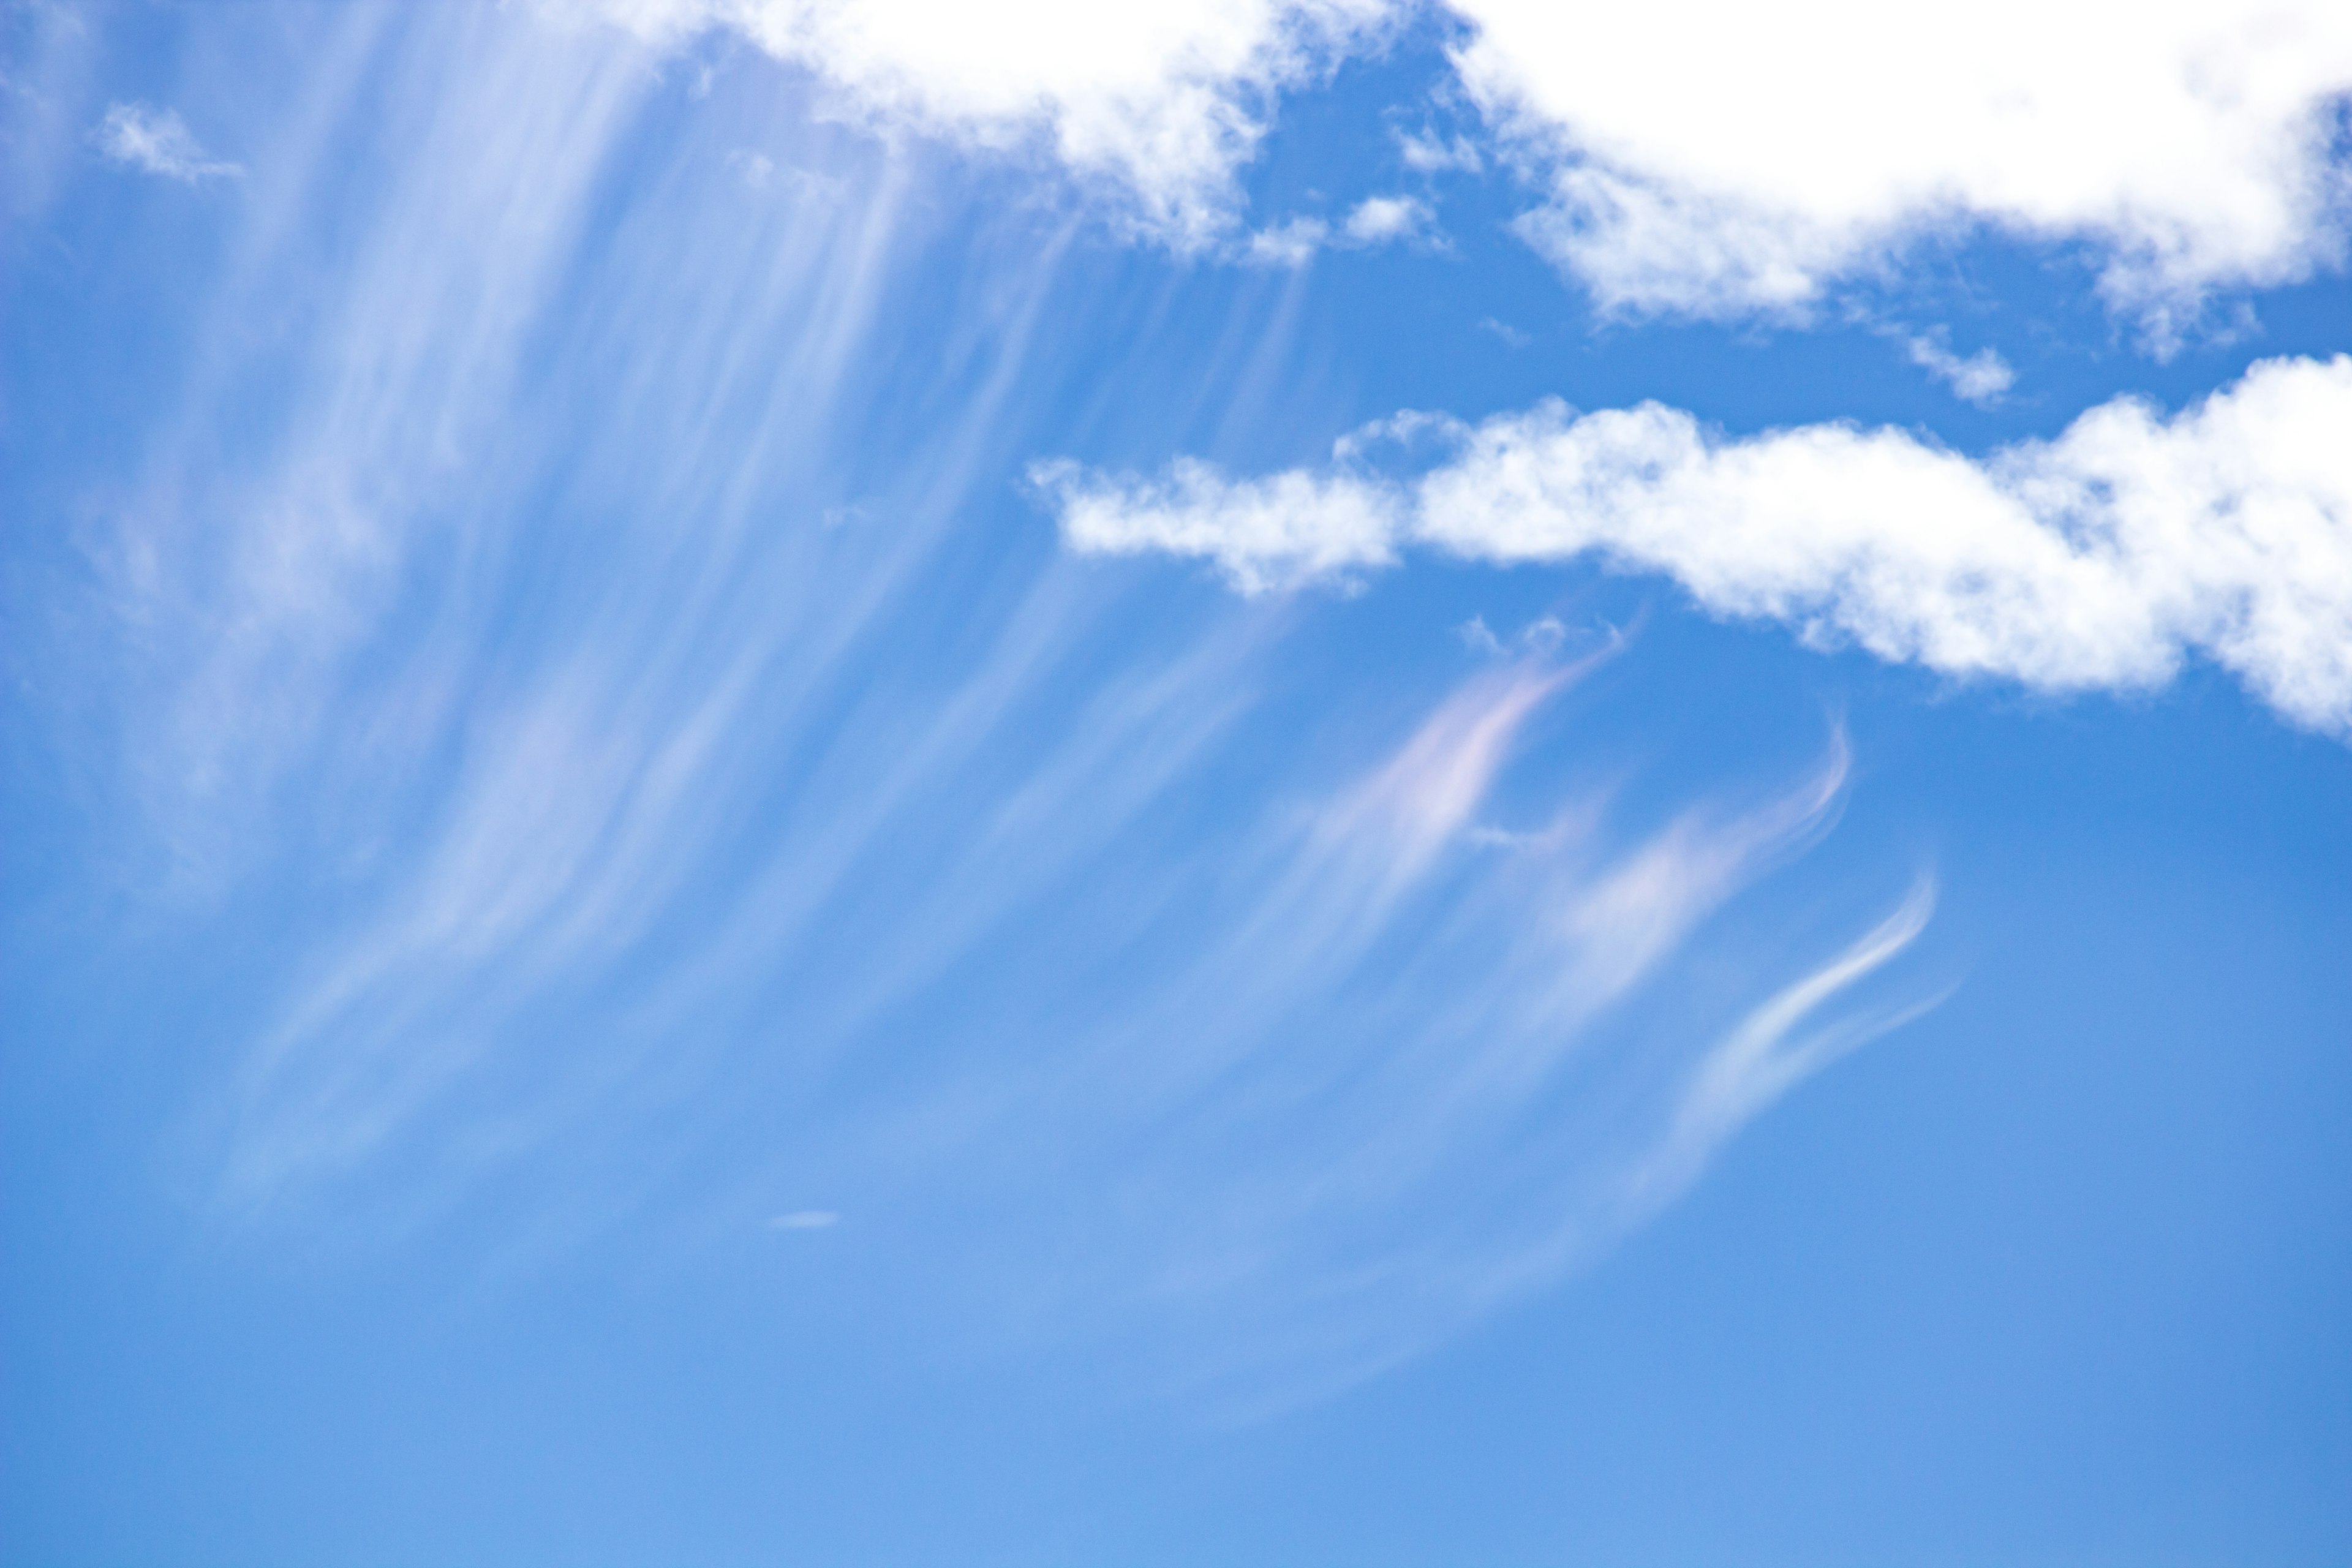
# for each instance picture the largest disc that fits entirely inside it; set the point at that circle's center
(1540, 637)
(1291, 244)
(2097, 560)
(158, 141)
(1375, 221)
(1164, 100)
(1980, 378)
(1429, 154)
(1378, 220)
(1715, 158)
(805, 1219)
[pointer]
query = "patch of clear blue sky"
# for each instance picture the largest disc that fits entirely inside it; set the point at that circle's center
(2057, 1272)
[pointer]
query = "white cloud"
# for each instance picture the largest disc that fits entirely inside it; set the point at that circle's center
(1429, 154)
(1479, 637)
(806, 1219)
(1705, 158)
(1422, 799)
(1509, 335)
(1380, 219)
(1375, 221)
(158, 141)
(1163, 101)
(1541, 636)
(1291, 244)
(1277, 532)
(1715, 158)
(2097, 560)
(1980, 378)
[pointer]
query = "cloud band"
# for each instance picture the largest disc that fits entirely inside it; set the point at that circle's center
(2096, 561)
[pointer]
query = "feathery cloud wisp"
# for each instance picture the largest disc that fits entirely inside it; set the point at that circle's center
(1759, 1061)
(159, 142)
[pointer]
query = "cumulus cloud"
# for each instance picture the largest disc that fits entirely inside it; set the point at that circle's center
(1695, 157)
(1162, 101)
(1277, 532)
(2099, 559)
(158, 141)
(1714, 158)
(1980, 378)
(1377, 220)
(1374, 221)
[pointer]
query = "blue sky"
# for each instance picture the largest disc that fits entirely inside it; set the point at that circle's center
(1243, 783)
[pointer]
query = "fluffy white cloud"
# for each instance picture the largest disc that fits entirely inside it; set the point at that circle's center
(1274, 533)
(1714, 157)
(1375, 221)
(1696, 155)
(1980, 378)
(2097, 560)
(158, 141)
(1162, 101)
(1378, 219)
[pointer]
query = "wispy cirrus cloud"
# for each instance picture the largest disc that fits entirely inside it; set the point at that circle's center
(2099, 559)
(690, 812)
(1768, 1054)
(711, 821)
(159, 142)
(1396, 1072)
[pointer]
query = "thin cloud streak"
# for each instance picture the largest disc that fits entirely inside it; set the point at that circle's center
(1758, 1062)
(1395, 1078)
(158, 141)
